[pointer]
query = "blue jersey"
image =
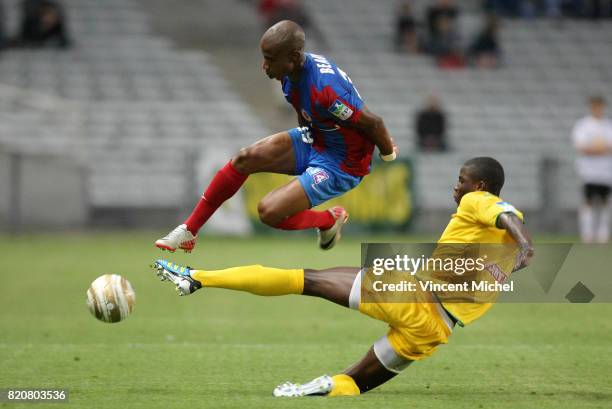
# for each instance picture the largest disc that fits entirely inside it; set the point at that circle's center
(326, 99)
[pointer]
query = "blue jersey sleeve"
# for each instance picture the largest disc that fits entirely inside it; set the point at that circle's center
(337, 98)
(341, 102)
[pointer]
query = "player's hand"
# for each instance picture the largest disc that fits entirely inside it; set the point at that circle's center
(524, 257)
(393, 155)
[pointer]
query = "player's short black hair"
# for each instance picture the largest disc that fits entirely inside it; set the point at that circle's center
(489, 170)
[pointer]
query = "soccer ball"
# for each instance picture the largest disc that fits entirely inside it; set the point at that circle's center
(110, 298)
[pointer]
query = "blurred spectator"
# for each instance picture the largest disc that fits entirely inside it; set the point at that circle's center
(445, 44)
(406, 38)
(517, 8)
(506, 8)
(485, 49)
(443, 41)
(592, 137)
(267, 10)
(594, 9)
(431, 126)
(570, 8)
(442, 9)
(2, 37)
(530, 8)
(2, 32)
(43, 24)
(273, 11)
(553, 8)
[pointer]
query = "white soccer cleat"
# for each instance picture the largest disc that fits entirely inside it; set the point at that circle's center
(179, 238)
(328, 238)
(320, 386)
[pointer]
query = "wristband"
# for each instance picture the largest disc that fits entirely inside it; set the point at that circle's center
(388, 158)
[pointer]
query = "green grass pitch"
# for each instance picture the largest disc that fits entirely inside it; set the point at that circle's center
(221, 349)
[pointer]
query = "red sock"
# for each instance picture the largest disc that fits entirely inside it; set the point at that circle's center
(224, 185)
(308, 219)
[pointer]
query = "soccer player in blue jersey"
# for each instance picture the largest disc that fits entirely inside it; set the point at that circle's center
(330, 151)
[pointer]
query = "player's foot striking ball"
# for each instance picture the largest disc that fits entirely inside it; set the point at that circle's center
(330, 151)
(416, 328)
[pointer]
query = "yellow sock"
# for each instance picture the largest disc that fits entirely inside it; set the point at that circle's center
(344, 385)
(254, 279)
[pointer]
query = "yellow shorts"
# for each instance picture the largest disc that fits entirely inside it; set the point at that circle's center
(415, 328)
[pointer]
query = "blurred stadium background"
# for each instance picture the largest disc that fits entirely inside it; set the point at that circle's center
(125, 127)
(108, 143)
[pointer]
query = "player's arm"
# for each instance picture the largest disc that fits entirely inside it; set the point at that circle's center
(595, 149)
(373, 128)
(515, 227)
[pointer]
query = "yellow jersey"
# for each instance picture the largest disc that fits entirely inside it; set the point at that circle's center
(476, 222)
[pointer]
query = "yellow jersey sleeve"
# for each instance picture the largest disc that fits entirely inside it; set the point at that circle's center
(485, 208)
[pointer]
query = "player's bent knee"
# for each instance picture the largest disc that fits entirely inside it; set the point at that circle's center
(246, 160)
(240, 161)
(387, 356)
(267, 214)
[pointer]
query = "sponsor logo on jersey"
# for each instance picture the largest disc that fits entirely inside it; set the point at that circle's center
(497, 273)
(340, 110)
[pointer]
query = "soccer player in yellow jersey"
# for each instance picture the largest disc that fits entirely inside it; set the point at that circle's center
(415, 328)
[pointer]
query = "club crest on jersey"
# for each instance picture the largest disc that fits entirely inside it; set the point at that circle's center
(340, 110)
(318, 175)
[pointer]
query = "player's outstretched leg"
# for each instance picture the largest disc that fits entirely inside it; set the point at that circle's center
(334, 284)
(255, 279)
(271, 154)
(339, 285)
(224, 185)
